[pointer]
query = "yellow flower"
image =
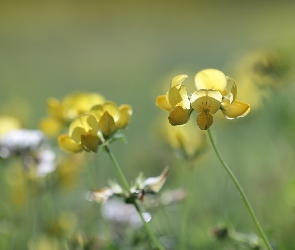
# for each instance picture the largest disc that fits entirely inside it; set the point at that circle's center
(79, 103)
(216, 91)
(176, 102)
(95, 127)
(110, 117)
(82, 135)
(60, 113)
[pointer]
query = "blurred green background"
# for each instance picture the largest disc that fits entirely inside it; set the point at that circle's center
(129, 51)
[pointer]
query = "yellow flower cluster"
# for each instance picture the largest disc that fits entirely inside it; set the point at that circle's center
(61, 113)
(215, 91)
(93, 121)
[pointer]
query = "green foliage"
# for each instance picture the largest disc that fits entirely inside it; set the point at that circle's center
(129, 51)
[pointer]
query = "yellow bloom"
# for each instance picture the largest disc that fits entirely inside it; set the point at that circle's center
(216, 91)
(79, 103)
(60, 113)
(110, 117)
(176, 102)
(95, 127)
(82, 135)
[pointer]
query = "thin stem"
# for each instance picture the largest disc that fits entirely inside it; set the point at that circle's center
(241, 191)
(127, 187)
(118, 169)
(185, 223)
(147, 228)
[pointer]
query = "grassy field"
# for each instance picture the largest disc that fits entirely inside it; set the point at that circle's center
(129, 51)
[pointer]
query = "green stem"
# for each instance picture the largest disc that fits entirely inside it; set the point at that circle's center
(118, 169)
(241, 191)
(185, 223)
(127, 187)
(147, 228)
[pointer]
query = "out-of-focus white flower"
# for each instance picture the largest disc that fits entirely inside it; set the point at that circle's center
(46, 162)
(122, 213)
(20, 141)
(32, 147)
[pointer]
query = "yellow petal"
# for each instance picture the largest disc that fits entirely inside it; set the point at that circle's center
(204, 120)
(235, 109)
(233, 88)
(97, 111)
(112, 109)
(179, 116)
(162, 103)
(89, 143)
(66, 143)
(84, 124)
(76, 134)
(125, 115)
(206, 100)
(177, 96)
(177, 80)
(107, 124)
(51, 126)
(78, 103)
(210, 79)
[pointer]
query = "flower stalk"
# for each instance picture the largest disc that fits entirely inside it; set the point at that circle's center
(134, 202)
(241, 192)
(185, 224)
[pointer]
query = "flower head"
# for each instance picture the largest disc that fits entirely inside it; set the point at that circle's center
(111, 117)
(214, 91)
(99, 124)
(82, 135)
